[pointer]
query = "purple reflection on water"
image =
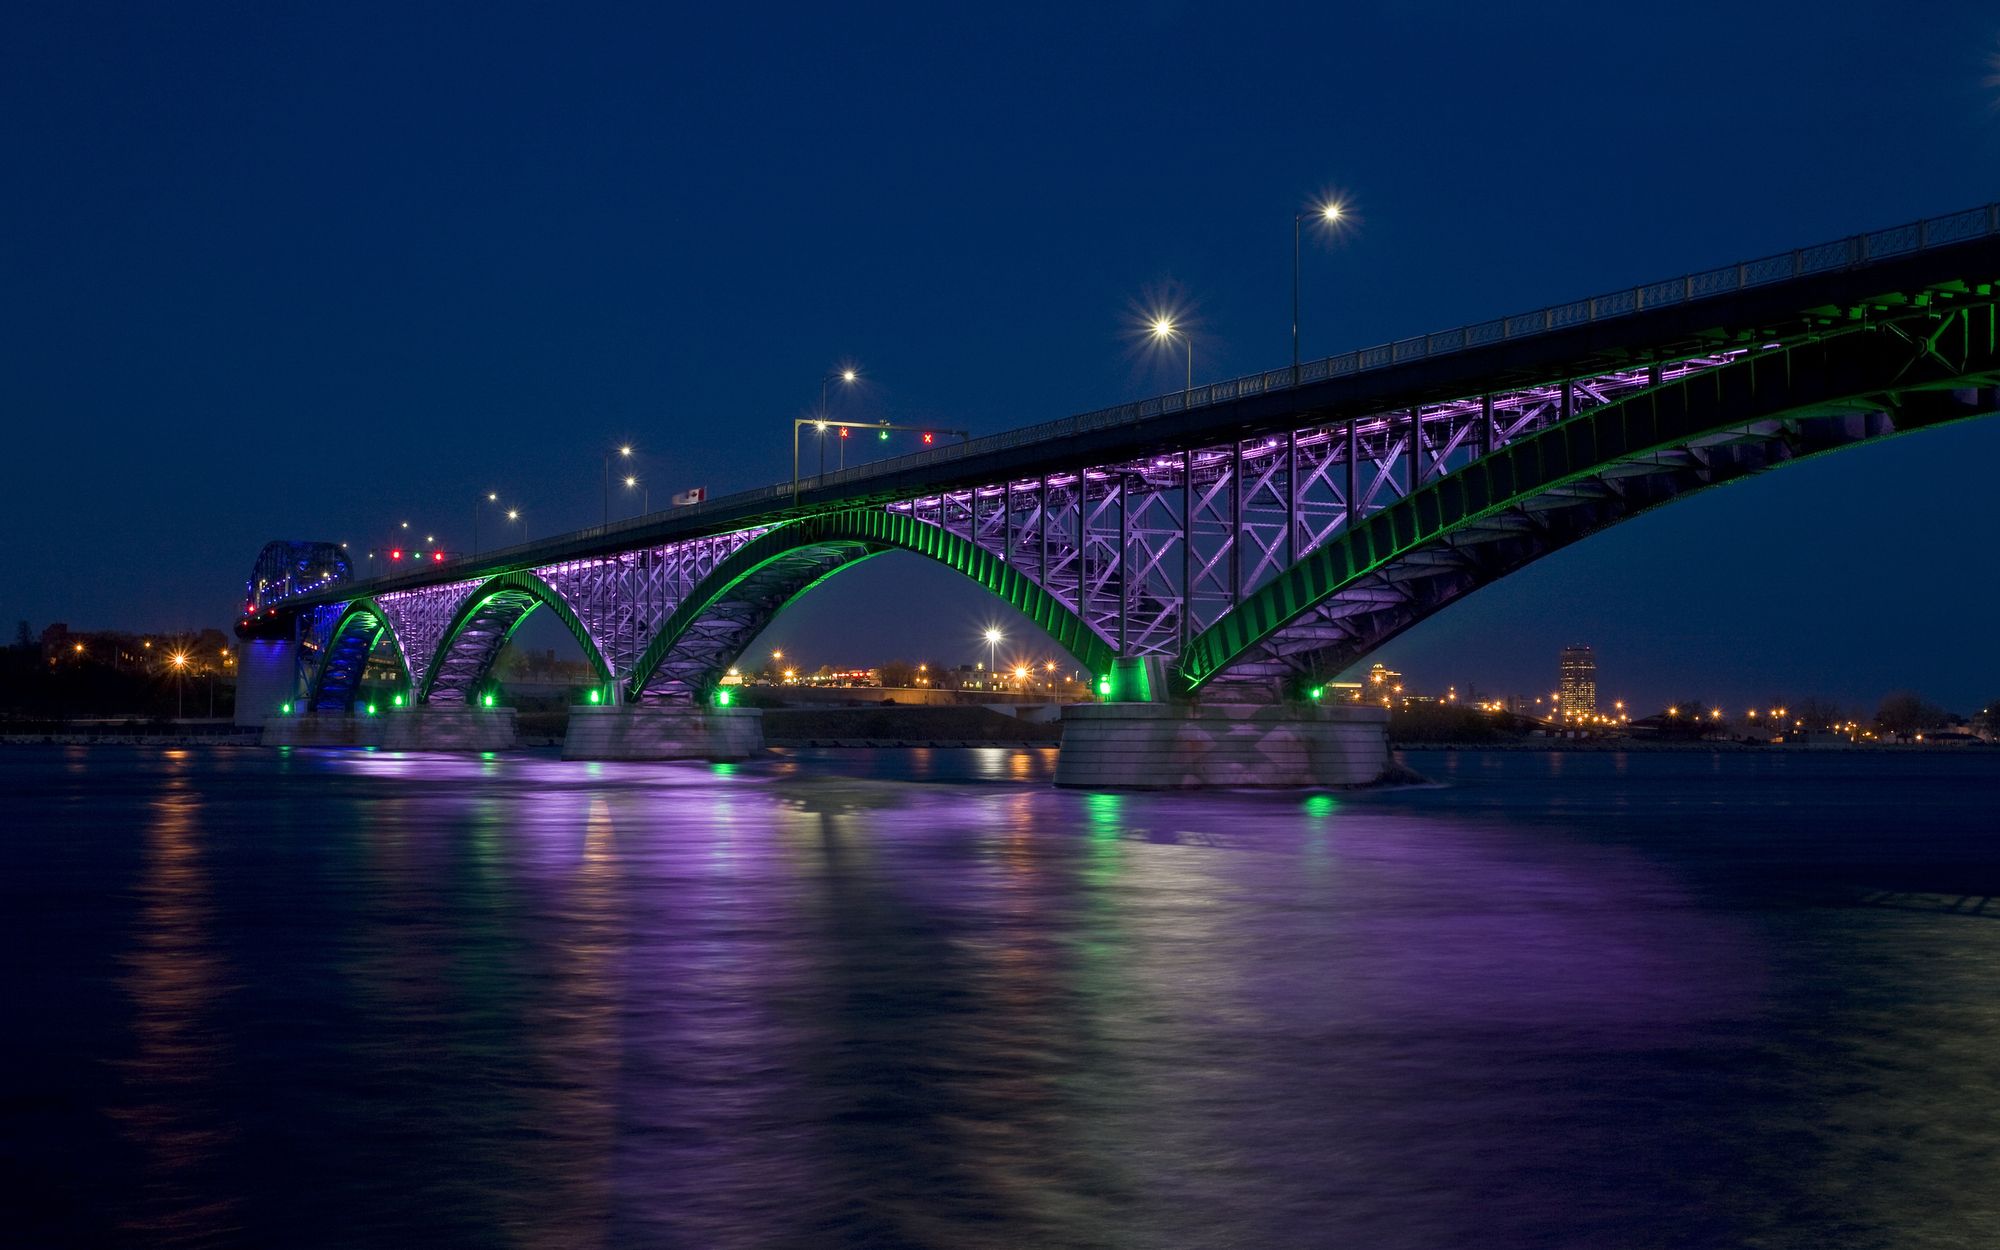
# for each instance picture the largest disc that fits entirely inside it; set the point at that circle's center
(902, 998)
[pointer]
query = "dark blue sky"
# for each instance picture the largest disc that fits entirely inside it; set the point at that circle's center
(275, 274)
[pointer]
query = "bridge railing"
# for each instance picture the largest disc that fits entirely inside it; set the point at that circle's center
(1847, 253)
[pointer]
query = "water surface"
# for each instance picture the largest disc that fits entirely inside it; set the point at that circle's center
(909, 998)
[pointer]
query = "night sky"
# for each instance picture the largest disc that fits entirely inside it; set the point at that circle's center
(306, 275)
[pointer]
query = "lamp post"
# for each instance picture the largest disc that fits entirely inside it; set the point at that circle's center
(993, 637)
(1329, 213)
(179, 660)
(645, 493)
(491, 497)
(819, 424)
(846, 377)
(1165, 331)
(625, 451)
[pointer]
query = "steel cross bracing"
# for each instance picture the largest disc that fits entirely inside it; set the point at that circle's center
(1152, 551)
(617, 600)
(1255, 561)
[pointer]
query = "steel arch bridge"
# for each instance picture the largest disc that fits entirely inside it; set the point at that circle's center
(1256, 536)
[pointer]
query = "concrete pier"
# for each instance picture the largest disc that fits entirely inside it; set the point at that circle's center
(642, 731)
(1190, 746)
(267, 678)
(449, 727)
(322, 729)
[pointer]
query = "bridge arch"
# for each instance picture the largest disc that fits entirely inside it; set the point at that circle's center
(481, 626)
(337, 678)
(711, 627)
(1605, 465)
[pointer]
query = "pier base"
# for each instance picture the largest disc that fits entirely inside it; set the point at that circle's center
(449, 727)
(267, 678)
(1181, 746)
(323, 729)
(643, 731)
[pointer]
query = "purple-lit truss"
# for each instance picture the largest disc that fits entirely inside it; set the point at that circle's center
(1219, 557)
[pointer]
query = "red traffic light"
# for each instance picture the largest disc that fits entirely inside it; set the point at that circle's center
(928, 438)
(397, 554)
(437, 555)
(843, 431)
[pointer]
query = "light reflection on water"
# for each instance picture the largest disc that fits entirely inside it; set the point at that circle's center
(922, 998)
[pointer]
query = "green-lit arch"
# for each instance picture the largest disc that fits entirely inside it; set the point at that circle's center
(1621, 459)
(353, 638)
(847, 537)
(516, 585)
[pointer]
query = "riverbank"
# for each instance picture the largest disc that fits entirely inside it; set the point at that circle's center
(1648, 746)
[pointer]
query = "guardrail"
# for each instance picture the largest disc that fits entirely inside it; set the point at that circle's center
(1848, 253)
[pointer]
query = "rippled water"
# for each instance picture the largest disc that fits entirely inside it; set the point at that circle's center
(921, 998)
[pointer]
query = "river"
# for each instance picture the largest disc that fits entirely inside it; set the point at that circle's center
(922, 998)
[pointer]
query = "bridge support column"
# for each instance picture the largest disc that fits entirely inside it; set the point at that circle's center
(322, 729)
(267, 678)
(653, 731)
(1194, 746)
(449, 727)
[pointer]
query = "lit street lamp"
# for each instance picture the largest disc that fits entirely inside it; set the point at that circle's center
(179, 660)
(625, 451)
(846, 377)
(1164, 331)
(1328, 213)
(993, 637)
(490, 497)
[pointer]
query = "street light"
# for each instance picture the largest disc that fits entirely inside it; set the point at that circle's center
(491, 497)
(1330, 214)
(846, 377)
(179, 660)
(645, 493)
(625, 451)
(993, 637)
(1164, 331)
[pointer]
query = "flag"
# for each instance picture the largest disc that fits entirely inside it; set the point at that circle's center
(686, 497)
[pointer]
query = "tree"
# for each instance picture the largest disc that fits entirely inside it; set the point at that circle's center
(24, 638)
(898, 674)
(1905, 713)
(1816, 713)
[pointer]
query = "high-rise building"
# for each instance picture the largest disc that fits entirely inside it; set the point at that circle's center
(1576, 691)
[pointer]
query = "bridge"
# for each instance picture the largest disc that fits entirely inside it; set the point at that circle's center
(1215, 555)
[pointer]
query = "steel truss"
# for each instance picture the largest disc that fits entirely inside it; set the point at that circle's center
(1216, 556)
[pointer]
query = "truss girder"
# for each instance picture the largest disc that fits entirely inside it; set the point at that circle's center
(1539, 493)
(1253, 563)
